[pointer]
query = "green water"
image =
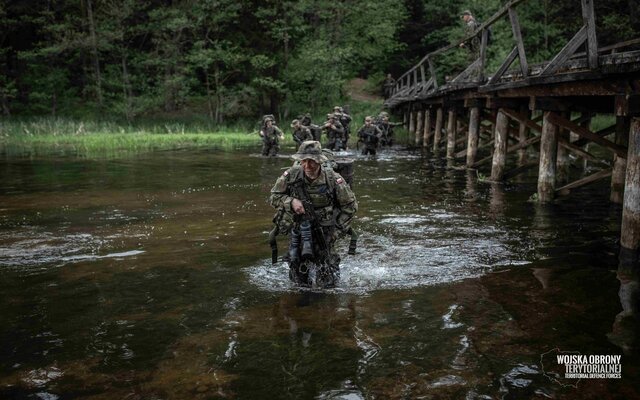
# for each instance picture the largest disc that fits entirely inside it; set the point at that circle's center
(150, 278)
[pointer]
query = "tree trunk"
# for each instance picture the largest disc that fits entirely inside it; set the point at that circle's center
(94, 52)
(126, 90)
(5, 105)
(209, 99)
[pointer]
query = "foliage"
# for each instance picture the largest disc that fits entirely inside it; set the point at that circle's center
(44, 136)
(242, 59)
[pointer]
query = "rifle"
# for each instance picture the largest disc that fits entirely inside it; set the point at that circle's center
(300, 192)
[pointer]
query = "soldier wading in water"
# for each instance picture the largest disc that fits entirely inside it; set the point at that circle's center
(315, 206)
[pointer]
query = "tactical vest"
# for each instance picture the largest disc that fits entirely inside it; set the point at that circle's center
(321, 193)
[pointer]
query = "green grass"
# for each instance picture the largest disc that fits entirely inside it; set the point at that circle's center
(47, 136)
(94, 138)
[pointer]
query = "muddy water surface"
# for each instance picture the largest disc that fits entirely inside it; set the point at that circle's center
(150, 278)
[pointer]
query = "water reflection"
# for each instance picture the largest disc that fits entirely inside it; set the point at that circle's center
(626, 326)
(496, 200)
(151, 278)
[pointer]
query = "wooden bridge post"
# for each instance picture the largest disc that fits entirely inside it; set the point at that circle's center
(405, 119)
(437, 135)
(619, 163)
(523, 135)
(419, 124)
(500, 146)
(452, 128)
(585, 161)
(412, 121)
(563, 161)
(474, 133)
(548, 154)
(630, 231)
(427, 127)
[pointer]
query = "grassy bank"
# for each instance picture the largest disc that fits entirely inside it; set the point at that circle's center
(46, 136)
(90, 138)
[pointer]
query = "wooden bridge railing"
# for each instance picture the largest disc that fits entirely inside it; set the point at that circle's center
(423, 78)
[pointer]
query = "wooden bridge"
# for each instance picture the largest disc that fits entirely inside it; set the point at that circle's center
(547, 107)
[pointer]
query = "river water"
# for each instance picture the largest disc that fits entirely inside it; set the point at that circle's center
(149, 277)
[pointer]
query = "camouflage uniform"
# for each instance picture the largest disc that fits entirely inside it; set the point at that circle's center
(271, 136)
(386, 130)
(369, 135)
(316, 131)
(335, 132)
(334, 206)
(388, 85)
(345, 120)
(300, 133)
(472, 45)
(305, 119)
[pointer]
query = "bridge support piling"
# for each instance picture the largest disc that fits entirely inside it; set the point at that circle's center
(548, 155)
(585, 161)
(451, 133)
(437, 135)
(523, 135)
(619, 163)
(427, 127)
(405, 119)
(412, 122)
(474, 127)
(500, 146)
(630, 231)
(419, 126)
(563, 161)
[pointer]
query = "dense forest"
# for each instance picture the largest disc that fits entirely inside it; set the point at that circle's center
(235, 59)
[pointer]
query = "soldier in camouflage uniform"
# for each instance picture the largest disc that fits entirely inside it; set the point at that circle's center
(345, 120)
(271, 136)
(369, 135)
(316, 131)
(472, 45)
(388, 85)
(335, 132)
(382, 122)
(300, 133)
(315, 205)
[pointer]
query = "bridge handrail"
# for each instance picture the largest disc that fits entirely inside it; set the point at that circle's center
(427, 58)
(585, 34)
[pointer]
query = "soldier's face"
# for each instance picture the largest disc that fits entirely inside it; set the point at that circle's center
(367, 122)
(310, 168)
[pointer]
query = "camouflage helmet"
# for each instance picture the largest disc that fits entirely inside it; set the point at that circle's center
(383, 114)
(310, 150)
(465, 12)
(294, 123)
(267, 118)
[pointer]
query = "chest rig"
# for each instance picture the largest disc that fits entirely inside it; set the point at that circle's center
(321, 194)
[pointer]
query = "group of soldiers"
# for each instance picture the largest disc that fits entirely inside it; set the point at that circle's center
(376, 131)
(336, 129)
(314, 202)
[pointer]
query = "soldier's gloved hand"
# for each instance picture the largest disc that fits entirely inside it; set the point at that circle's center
(297, 207)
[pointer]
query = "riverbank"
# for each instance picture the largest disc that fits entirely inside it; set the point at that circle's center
(46, 136)
(42, 136)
